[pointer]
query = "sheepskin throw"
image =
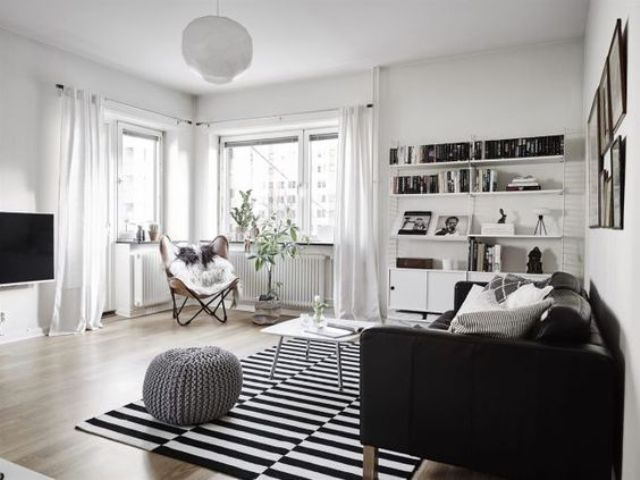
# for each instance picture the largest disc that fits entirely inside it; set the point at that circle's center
(200, 269)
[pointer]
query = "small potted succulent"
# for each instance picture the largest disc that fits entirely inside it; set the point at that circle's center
(244, 216)
(154, 230)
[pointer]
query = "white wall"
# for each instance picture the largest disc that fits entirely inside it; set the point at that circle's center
(518, 92)
(29, 143)
(613, 257)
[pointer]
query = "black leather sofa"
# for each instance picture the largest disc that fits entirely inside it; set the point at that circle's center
(535, 408)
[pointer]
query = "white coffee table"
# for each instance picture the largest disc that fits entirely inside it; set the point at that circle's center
(294, 329)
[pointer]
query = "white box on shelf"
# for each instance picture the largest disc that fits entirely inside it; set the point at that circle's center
(498, 229)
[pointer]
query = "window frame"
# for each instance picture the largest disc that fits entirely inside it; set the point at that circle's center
(144, 132)
(303, 214)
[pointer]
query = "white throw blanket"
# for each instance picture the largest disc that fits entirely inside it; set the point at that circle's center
(200, 271)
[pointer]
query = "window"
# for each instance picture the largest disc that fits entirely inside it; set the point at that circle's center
(323, 153)
(290, 171)
(138, 174)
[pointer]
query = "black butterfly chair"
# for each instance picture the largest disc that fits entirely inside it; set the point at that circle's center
(220, 246)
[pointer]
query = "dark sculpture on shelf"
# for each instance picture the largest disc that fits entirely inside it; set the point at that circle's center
(534, 265)
(503, 217)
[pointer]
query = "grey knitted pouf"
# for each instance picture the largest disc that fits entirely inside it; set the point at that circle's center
(188, 386)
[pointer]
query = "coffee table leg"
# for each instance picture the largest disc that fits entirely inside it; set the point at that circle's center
(339, 360)
(306, 353)
(275, 358)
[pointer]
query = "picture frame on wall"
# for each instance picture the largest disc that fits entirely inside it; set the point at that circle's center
(606, 191)
(617, 152)
(617, 74)
(593, 156)
(604, 109)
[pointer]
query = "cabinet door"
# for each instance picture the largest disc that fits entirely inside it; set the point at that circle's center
(408, 290)
(441, 290)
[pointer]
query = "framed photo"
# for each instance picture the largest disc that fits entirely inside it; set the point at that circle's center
(414, 223)
(617, 72)
(604, 109)
(593, 156)
(606, 192)
(617, 152)
(452, 226)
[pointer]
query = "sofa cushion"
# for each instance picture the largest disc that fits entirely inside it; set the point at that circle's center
(503, 286)
(527, 294)
(568, 319)
(503, 323)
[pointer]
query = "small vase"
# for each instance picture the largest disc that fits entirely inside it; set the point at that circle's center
(319, 322)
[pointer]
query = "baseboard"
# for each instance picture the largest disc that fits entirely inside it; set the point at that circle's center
(142, 311)
(17, 336)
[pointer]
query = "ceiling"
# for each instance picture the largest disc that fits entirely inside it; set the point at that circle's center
(293, 39)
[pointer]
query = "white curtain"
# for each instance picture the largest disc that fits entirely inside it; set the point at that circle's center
(82, 216)
(356, 236)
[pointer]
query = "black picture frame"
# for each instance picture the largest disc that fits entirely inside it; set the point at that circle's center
(606, 190)
(617, 73)
(593, 158)
(604, 109)
(617, 152)
(415, 222)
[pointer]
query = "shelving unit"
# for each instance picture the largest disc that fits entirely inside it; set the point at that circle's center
(519, 237)
(555, 191)
(479, 163)
(432, 238)
(515, 247)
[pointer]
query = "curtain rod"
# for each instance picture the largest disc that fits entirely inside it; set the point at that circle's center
(60, 86)
(264, 117)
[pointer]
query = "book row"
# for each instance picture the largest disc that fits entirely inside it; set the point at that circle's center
(477, 150)
(450, 181)
(484, 257)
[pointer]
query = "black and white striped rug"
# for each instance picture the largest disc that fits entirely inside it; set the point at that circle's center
(296, 426)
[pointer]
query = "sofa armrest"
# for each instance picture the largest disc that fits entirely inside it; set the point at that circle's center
(493, 405)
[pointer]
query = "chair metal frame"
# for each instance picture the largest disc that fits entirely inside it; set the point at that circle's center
(178, 288)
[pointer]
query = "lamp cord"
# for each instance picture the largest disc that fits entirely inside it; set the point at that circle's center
(217, 8)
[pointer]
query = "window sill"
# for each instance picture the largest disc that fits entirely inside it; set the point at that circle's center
(310, 244)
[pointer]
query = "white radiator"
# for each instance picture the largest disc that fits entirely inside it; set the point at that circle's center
(149, 279)
(302, 278)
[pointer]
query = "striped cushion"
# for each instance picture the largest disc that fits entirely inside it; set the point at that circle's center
(507, 323)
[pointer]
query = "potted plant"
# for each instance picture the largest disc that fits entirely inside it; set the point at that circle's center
(154, 230)
(278, 237)
(243, 215)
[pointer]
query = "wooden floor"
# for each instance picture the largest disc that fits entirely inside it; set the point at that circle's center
(48, 385)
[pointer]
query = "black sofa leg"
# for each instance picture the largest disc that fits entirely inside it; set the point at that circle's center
(370, 467)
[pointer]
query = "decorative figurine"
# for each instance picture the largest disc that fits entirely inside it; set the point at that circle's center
(534, 265)
(503, 217)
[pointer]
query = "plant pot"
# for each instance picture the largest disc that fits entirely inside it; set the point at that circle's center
(240, 233)
(267, 311)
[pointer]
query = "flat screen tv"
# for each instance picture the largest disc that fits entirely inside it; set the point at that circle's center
(26, 247)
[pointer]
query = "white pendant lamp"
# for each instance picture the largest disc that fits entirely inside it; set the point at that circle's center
(217, 48)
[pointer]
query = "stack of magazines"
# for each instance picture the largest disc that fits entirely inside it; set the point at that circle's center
(520, 184)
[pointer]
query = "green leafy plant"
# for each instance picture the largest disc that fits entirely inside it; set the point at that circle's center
(244, 215)
(279, 237)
